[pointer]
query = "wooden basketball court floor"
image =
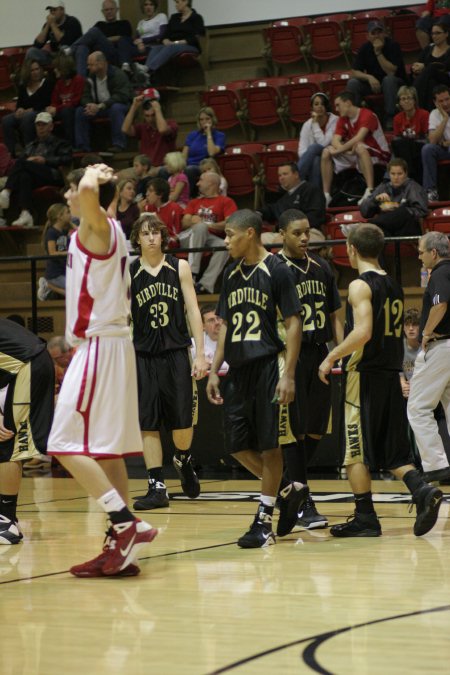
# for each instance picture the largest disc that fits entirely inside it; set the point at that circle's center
(201, 605)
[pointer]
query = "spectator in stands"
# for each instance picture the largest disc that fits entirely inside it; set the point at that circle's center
(157, 136)
(315, 135)
(107, 93)
(298, 194)
(66, 95)
(181, 36)
(201, 144)
(439, 141)
(410, 131)
(58, 32)
(206, 217)
(435, 10)
(61, 353)
(378, 68)
(358, 143)
(55, 240)
(127, 211)
(113, 37)
(151, 29)
(397, 205)
(34, 95)
(142, 168)
(433, 65)
(175, 165)
(6, 162)
(39, 165)
(170, 213)
(210, 164)
(211, 329)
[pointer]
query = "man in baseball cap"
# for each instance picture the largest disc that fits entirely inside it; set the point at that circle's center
(59, 31)
(38, 166)
(378, 68)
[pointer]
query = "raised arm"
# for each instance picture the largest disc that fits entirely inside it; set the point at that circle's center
(94, 232)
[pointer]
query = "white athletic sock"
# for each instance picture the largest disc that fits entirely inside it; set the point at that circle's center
(267, 500)
(111, 501)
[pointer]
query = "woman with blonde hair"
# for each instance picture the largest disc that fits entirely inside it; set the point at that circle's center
(410, 131)
(205, 142)
(55, 239)
(179, 183)
(210, 164)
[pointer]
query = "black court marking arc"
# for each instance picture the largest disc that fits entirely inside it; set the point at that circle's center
(315, 641)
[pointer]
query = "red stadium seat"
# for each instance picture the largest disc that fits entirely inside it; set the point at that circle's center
(337, 18)
(340, 257)
(246, 148)
(438, 220)
(242, 173)
(262, 104)
(325, 41)
(282, 46)
(402, 28)
(283, 152)
(226, 106)
(335, 84)
(297, 95)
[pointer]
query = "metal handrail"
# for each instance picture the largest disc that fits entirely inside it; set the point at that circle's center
(33, 260)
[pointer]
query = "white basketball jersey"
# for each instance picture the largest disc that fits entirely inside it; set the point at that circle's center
(97, 289)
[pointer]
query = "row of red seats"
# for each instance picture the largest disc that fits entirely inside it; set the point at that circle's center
(271, 100)
(333, 36)
(438, 220)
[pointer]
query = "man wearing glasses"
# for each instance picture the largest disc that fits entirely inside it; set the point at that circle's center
(378, 68)
(430, 382)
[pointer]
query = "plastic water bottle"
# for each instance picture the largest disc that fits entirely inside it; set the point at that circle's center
(423, 277)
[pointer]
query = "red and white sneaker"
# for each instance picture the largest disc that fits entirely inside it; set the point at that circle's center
(93, 568)
(125, 542)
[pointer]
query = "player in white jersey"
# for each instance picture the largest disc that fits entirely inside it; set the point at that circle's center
(97, 412)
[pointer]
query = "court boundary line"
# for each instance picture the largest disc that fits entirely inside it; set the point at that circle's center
(309, 653)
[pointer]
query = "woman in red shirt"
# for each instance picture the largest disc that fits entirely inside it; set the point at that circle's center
(66, 95)
(410, 131)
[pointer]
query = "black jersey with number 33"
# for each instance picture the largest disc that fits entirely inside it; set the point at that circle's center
(384, 350)
(251, 297)
(157, 308)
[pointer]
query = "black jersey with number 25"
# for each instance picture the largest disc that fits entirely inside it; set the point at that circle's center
(251, 298)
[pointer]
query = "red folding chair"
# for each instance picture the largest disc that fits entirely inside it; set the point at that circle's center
(336, 84)
(276, 154)
(282, 46)
(438, 221)
(325, 41)
(340, 257)
(262, 104)
(242, 173)
(402, 28)
(297, 95)
(226, 106)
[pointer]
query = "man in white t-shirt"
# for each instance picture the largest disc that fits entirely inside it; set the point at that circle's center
(211, 329)
(439, 140)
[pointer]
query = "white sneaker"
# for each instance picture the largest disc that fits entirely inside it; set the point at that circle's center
(10, 532)
(367, 193)
(24, 220)
(43, 289)
(327, 199)
(4, 199)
